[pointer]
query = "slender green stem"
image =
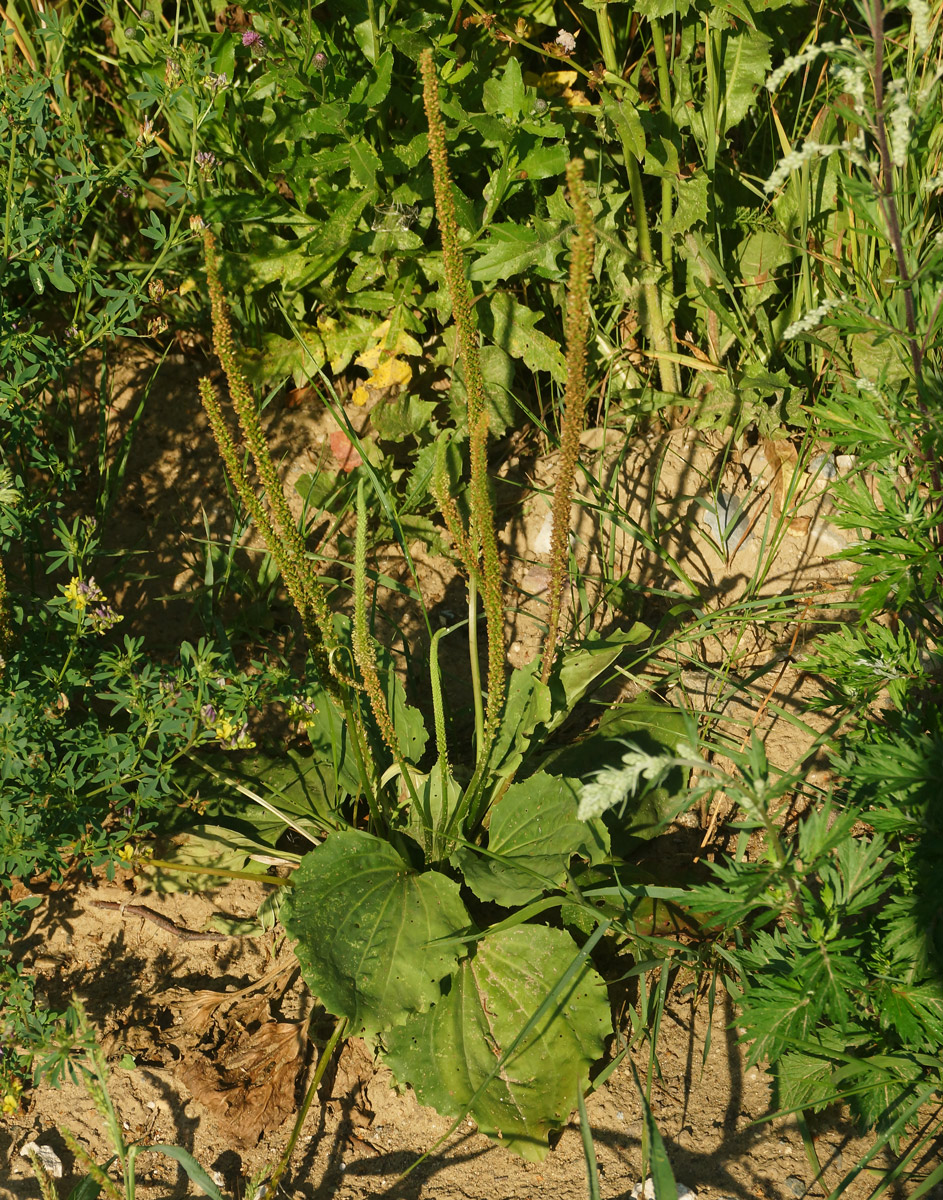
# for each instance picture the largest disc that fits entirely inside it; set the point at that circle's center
(659, 333)
(8, 213)
(474, 668)
(664, 97)
(326, 1055)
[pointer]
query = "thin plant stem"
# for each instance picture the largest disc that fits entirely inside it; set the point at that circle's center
(664, 97)
(574, 404)
(660, 339)
(473, 662)
(364, 652)
(481, 545)
(323, 1062)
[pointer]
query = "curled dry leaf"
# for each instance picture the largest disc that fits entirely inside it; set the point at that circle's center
(198, 1009)
(252, 1091)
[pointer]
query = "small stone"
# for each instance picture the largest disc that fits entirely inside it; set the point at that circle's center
(796, 1185)
(51, 1162)
(824, 465)
(648, 1192)
(725, 521)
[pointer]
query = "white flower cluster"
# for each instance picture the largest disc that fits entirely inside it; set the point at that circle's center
(853, 81)
(813, 318)
(868, 386)
(900, 118)
(794, 160)
(797, 61)
(613, 784)
(920, 24)
(566, 41)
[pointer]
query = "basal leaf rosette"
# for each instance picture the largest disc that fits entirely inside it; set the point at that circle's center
(532, 835)
(366, 926)
(458, 1056)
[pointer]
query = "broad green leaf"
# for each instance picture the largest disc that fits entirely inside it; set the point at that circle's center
(691, 208)
(344, 339)
(399, 417)
(761, 254)
(879, 356)
(513, 249)
(281, 357)
(365, 34)
(746, 63)
(365, 926)
(497, 370)
(455, 1051)
(439, 795)
(504, 96)
(528, 705)
(364, 162)
(578, 669)
(205, 850)
(270, 259)
(333, 241)
(652, 726)
(533, 832)
(804, 1081)
(663, 8)
(545, 161)
(374, 88)
(623, 114)
(57, 276)
(511, 326)
(408, 722)
(323, 119)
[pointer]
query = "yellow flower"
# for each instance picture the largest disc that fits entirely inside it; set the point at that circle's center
(73, 593)
(11, 1101)
(226, 729)
(126, 853)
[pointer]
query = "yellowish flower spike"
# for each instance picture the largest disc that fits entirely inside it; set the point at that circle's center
(74, 595)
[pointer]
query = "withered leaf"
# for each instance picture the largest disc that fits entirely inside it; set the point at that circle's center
(254, 1091)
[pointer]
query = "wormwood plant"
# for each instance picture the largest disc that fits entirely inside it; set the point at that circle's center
(422, 922)
(835, 929)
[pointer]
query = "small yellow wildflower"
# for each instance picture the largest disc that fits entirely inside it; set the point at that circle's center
(73, 592)
(226, 729)
(126, 853)
(11, 1101)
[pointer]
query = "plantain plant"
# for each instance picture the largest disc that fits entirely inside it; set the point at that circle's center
(426, 916)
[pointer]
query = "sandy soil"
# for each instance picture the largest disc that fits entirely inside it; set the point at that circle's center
(215, 1025)
(215, 1031)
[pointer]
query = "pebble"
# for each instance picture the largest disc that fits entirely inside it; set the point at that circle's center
(52, 1163)
(796, 1185)
(648, 1192)
(723, 520)
(824, 465)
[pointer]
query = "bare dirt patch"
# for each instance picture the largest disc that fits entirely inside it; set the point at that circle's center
(216, 1032)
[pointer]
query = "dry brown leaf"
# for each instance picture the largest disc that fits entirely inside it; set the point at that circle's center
(272, 1045)
(254, 1092)
(782, 456)
(197, 1009)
